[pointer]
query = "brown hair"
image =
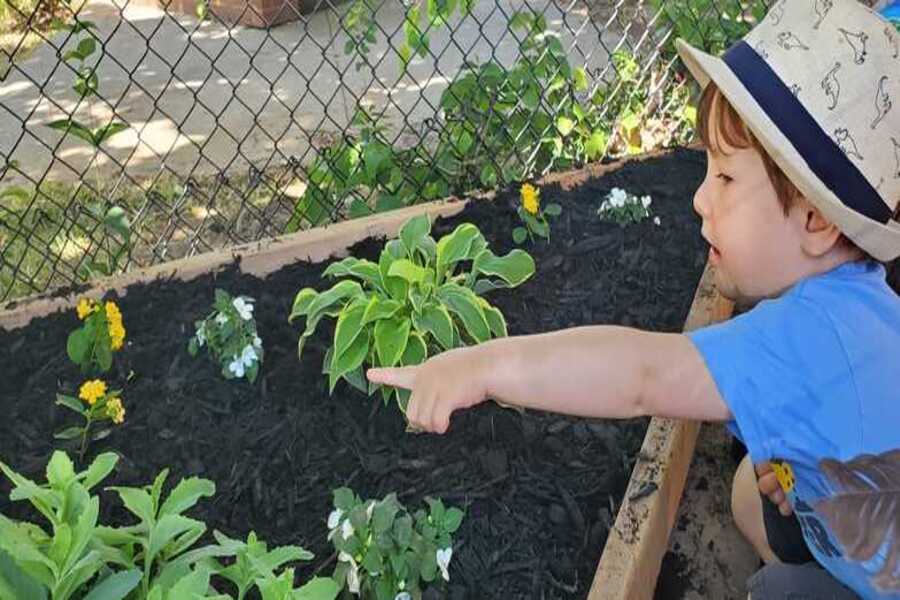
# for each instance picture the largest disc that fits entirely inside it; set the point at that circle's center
(732, 130)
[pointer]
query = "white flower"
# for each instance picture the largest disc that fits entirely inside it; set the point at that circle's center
(646, 201)
(656, 221)
(244, 307)
(403, 596)
(257, 343)
(239, 365)
(443, 560)
(352, 574)
(347, 529)
(353, 579)
(617, 197)
(201, 335)
(248, 356)
(334, 519)
(236, 366)
(221, 318)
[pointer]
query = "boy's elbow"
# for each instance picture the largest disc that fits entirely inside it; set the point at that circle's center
(661, 360)
(644, 400)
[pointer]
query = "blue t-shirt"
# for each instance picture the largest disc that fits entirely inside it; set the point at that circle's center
(812, 379)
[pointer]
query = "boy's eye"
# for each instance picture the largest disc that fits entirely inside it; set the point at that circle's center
(724, 177)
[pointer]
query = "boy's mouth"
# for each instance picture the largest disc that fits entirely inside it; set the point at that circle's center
(714, 254)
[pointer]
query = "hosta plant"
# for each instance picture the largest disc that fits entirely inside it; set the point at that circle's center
(421, 297)
(534, 218)
(91, 346)
(229, 332)
(386, 553)
(624, 208)
(95, 404)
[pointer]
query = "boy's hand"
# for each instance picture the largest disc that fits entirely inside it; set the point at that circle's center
(768, 485)
(440, 385)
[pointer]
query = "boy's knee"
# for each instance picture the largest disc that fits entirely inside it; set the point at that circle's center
(742, 485)
(747, 510)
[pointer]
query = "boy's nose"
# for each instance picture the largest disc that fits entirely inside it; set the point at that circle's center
(700, 202)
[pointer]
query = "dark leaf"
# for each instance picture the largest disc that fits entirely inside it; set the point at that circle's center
(864, 513)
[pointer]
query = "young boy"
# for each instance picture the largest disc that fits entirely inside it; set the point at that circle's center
(801, 193)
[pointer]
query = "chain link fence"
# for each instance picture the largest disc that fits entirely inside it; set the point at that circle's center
(134, 132)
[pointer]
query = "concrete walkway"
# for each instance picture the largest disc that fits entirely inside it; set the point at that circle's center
(202, 98)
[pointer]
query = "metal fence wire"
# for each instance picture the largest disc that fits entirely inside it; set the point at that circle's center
(134, 132)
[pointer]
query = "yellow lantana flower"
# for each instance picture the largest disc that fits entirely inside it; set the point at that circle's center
(85, 308)
(92, 390)
(115, 410)
(531, 198)
(116, 329)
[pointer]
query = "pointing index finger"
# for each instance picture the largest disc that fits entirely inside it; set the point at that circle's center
(402, 377)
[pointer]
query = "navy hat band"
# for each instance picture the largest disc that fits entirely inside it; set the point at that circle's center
(823, 156)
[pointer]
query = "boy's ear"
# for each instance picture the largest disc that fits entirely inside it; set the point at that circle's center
(819, 235)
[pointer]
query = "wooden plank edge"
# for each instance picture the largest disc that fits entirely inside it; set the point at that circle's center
(630, 563)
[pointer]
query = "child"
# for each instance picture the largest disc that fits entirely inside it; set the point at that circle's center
(801, 193)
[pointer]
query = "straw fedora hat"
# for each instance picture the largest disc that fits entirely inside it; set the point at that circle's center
(818, 84)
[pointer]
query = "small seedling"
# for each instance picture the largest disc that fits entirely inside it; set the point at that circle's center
(95, 404)
(229, 332)
(386, 552)
(624, 208)
(534, 218)
(91, 346)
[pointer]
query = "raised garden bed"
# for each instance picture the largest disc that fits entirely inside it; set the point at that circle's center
(540, 491)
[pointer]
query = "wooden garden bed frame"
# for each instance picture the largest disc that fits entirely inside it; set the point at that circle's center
(639, 538)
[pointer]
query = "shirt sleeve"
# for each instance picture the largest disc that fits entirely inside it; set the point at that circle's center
(769, 366)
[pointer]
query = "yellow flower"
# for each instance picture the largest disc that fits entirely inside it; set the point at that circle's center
(85, 308)
(531, 198)
(116, 329)
(116, 335)
(115, 410)
(92, 390)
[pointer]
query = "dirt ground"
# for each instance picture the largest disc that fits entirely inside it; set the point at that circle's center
(707, 556)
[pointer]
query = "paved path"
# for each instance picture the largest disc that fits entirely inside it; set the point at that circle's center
(207, 98)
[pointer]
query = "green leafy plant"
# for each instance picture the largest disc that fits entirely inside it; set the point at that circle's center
(159, 542)
(492, 118)
(91, 346)
(161, 545)
(69, 560)
(359, 23)
(533, 216)
(707, 24)
(386, 553)
(421, 297)
(255, 565)
(95, 404)
(117, 227)
(229, 332)
(87, 85)
(154, 559)
(367, 174)
(624, 208)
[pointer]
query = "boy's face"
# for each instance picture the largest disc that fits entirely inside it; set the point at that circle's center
(755, 247)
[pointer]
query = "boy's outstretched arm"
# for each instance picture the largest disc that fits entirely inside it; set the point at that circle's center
(597, 371)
